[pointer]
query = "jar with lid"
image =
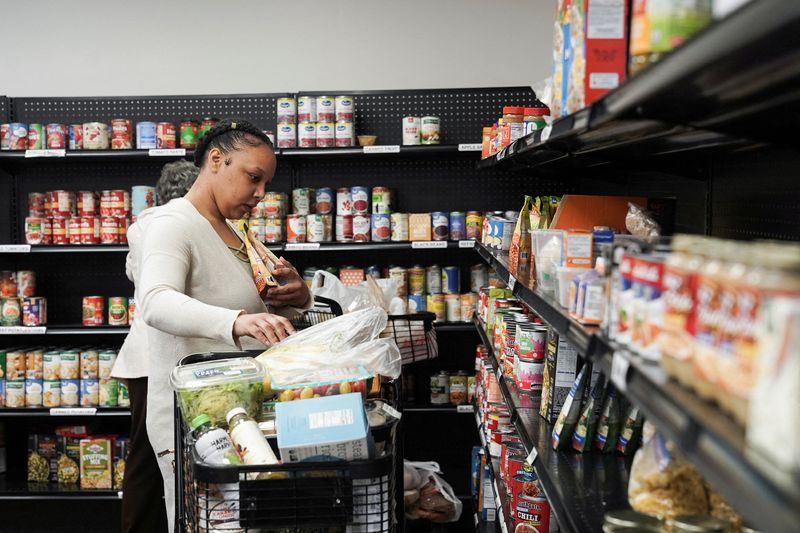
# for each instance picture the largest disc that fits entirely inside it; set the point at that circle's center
(534, 118)
(514, 116)
(627, 518)
(699, 524)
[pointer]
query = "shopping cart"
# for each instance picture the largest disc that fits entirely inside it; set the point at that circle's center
(324, 309)
(415, 336)
(334, 496)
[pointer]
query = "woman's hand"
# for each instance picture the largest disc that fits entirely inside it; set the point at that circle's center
(264, 327)
(292, 291)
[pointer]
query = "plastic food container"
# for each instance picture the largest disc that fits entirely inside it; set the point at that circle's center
(549, 244)
(217, 386)
(564, 277)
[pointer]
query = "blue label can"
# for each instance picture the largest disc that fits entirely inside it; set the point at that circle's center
(440, 222)
(90, 392)
(142, 197)
(145, 135)
(381, 227)
(451, 280)
(458, 225)
(416, 303)
(374, 271)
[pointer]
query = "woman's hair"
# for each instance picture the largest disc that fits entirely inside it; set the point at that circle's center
(227, 136)
(175, 181)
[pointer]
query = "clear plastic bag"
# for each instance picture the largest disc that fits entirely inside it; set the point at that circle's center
(369, 293)
(640, 223)
(427, 495)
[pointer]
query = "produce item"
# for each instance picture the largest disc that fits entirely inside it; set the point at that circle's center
(568, 417)
(605, 438)
(68, 470)
(585, 428)
(95, 463)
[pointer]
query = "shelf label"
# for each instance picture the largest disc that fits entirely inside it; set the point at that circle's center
(73, 411)
(466, 244)
(387, 149)
(512, 282)
(546, 132)
(427, 245)
(119, 495)
(470, 147)
(23, 330)
(168, 152)
(532, 456)
(302, 246)
(620, 363)
(15, 248)
(465, 409)
(50, 152)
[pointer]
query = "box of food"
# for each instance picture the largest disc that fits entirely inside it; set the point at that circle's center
(561, 369)
(95, 463)
(419, 226)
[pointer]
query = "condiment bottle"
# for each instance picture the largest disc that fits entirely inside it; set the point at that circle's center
(213, 444)
(250, 443)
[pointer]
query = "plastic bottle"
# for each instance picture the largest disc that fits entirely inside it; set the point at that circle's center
(250, 443)
(214, 447)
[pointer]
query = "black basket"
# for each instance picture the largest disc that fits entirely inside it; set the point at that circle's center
(346, 496)
(324, 309)
(415, 336)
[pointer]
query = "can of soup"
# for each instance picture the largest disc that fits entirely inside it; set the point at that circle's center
(117, 311)
(51, 365)
(296, 228)
(88, 363)
(324, 201)
(90, 392)
(108, 393)
(429, 130)
(51, 393)
(315, 228)
(15, 394)
(145, 135)
(70, 392)
(106, 360)
(34, 361)
(70, 364)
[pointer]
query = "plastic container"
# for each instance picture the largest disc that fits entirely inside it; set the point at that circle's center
(564, 276)
(549, 249)
(215, 387)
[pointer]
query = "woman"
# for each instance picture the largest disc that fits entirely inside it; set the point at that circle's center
(196, 286)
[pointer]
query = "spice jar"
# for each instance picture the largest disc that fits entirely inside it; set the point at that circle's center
(513, 117)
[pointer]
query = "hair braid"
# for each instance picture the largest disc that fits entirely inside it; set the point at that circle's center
(227, 136)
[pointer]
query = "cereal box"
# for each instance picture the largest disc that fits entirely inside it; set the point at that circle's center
(95, 463)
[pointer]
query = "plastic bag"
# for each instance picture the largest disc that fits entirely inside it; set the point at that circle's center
(369, 293)
(345, 348)
(427, 495)
(662, 484)
(640, 223)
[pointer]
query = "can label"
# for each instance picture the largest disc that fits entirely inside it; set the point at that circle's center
(457, 226)
(142, 197)
(440, 223)
(344, 201)
(10, 312)
(89, 360)
(74, 230)
(345, 134)
(93, 311)
(326, 111)
(87, 203)
(35, 137)
(361, 228)
(307, 135)
(344, 106)
(109, 231)
(361, 198)
(165, 135)
(108, 393)
(411, 130)
(34, 311)
(306, 109)
(145, 135)
(273, 205)
(70, 392)
(75, 137)
(51, 393)
(381, 227)
(287, 110)
(399, 227)
(273, 230)
(315, 228)
(121, 134)
(301, 201)
(429, 130)
(453, 308)
(118, 311)
(287, 135)
(57, 138)
(451, 280)
(34, 230)
(416, 280)
(381, 200)
(344, 228)
(95, 136)
(534, 511)
(433, 279)
(5, 137)
(188, 133)
(326, 135)
(295, 228)
(440, 384)
(90, 392)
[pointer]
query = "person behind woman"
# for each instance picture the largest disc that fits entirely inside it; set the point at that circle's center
(142, 488)
(196, 286)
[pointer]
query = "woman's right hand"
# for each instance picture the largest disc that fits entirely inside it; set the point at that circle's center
(264, 327)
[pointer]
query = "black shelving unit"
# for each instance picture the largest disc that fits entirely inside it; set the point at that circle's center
(61, 413)
(22, 490)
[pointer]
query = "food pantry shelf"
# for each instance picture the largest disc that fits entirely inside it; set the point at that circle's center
(283, 247)
(36, 412)
(65, 330)
(22, 490)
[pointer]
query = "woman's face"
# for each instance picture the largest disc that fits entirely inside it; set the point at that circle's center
(241, 178)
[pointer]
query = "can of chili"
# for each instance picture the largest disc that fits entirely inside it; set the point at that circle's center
(93, 310)
(165, 135)
(121, 134)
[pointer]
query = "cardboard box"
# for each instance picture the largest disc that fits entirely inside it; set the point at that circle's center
(95, 462)
(561, 368)
(324, 428)
(419, 226)
(578, 211)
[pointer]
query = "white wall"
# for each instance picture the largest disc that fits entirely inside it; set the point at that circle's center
(151, 47)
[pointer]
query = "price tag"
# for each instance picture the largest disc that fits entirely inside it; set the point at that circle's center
(168, 152)
(512, 282)
(73, 411)
(466, 244)
(470, 147)
(15, 248)
(427, 245)
(302, 246)
(532, 456)
(119, 495)
(465, 409)
(387, 149)
(619, 370)
(46, 153)
(23, 330)
(391, 411)
(546, 132)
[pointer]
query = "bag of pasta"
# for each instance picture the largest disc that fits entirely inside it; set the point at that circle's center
(663, 484)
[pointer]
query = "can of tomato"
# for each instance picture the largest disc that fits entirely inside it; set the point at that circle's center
(62, 204)
(324, 201)
(258, 227)
(35, 137)
(361, 200)
(307, 135)
(381, 227)
(109, 230)
(273, 230)
(121, 134)
(57, 137)
(95, 136)
(165, 135)
(117, 311)
(142, 197)
(326, 109)
(326, 135)
(90, 230)
(75, 136)
(60, 230)
(399, 227)
(5, 137)
(188, 133)
(344, 228)
(145, 135)
(93, 311)
(296, 228)
(87, 203)
(361, 228)
(306, 109)
(74, 230)
(34, 230)
(116, 203)
(344, 201)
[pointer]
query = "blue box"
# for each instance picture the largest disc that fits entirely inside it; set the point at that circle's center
(324, 429)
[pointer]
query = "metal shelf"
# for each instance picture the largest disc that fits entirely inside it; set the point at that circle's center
(454, 326)
(41, 412)
(282, 247)
(69, 330)
(18, 157)
(22, 490)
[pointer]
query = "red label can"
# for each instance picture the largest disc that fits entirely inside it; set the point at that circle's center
(56, 135)
(60, 230)
(533, 511)
(90, 230)
(47, 231)
(344, 228)
(121, 134)
(361, 228)
(36, 204)
(34, 230)
(109, 231)
(116, 203)
(131, 309)
(5, 137)
(75, 136)
(123, 224)
(165, 135)
(62, 203)
(87, 203)
(74, 230)
(295, 228)
(93, 310)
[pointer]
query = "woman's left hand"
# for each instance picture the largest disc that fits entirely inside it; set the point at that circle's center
(292, 291)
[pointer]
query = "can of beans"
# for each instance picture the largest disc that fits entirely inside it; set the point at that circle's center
(273, 230)
(34, 311)
(326, 135)
(74, 230)
(440, 223)
(344, 228)
(433, 279)
(188, 133)
(142, 197)
(286, 111)
(34, 230)
(57, 137)
(95, 136)
(345, 108)
(399, 227)
(205, 126)
(117, 311)
(361, 228)
(109, 230)
(35, 137)
(457, 226)
(451, 280)
(302, 200)
(381, 200)
(410, 131)
(165, 135)
(306, 109)
(307, 135)
(90, 230)
(18, 136)
(131, 309)
(93, 311)
(381, 227)
(87, 203)
(361, 200)
(474, 224)
(295, 228)
(273, 205)
(89, 361)
(75, 136)
(146, 135)
(345, 134)
(315, 228)
(429, 130)
(287, 135)
(326, 109)
(121, 134)
(5, 137)
(60, 230)
(10, 312)
(62, 204)
(51, 393)
(344, 201)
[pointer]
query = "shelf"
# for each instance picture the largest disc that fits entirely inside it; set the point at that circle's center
(22, 490)
(99, 155)
(428, 408)
(39, 412)
(66, 330)
(454, 326)
(714, 444)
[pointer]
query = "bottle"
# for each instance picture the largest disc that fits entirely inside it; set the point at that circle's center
(213, 446)
(250, 443)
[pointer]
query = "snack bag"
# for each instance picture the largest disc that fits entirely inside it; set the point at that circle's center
(262, 273)
(519, 254)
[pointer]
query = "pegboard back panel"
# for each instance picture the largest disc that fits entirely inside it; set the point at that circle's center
(4, 111)
(462, 112)
(260, 109)
(7, 208)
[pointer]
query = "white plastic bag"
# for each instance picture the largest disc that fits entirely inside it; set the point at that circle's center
(354, 297)
(427, 495)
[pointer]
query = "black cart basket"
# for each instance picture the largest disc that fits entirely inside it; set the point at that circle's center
(309, 497)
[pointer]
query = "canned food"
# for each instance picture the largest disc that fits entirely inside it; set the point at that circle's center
(205, 126)
(62, 204)
(302, 200)
(95, 136)
(451, 280)
(381, 200)
(458, 230)
(381, 227)
(70, 392)
(123, 225)
(90, 230)
(5, 137)
(10, 312)
(452, 305)
(93, 311)
(87, 203)
(361, 198)
(188, 133)
(121, 134)
(51, 365)
(416, 280)
(399, 227)
(344, 201)
(89, 360)
(34, 230)
(106, 360)
(417, 303)
(123, 399)
(436, 306)
(26, 283)
(57, 137)
(131, 309)
(273, 230)
(18, 136)
(345, 108)
(35, 137)
(47, 235)
(109, 230)
(75, 136)
(345, 134)
(458, 388)
(15, 365)
(36, 202)
(70, 364)
(90, 392)
(400, 276)
(326, 135)
(258, 227)
(146, 135)
(74, 230)
(361, 228)
(440, 388)
(34, 311)
(411, 131)
(117, 311)
(532, 510)
(315, 228)
(15, 394)
(429, 130)
(324, 201)
(51, 393)
(306, 109)
(295, 228)
(468, 304)
(8, 284)
(287, 135)
(60, 230)
(142, 197)
(273, 205)
(344, 228)
(165, 135)
(440, 224)
(326, 110)
(287, 111)
(108, 393)
(34, 361)
(307, 135)
(116, 203)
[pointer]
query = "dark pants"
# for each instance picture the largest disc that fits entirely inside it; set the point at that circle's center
(142, 488)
